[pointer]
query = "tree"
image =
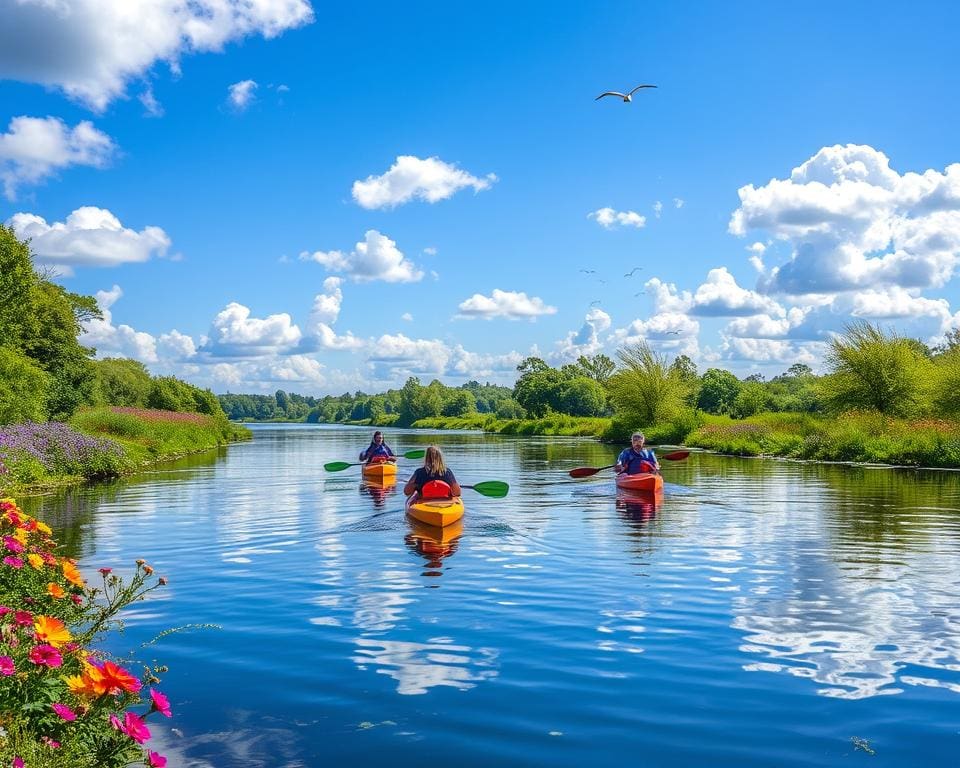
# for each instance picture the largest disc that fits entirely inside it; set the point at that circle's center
(582, 396)
(873, 370)
(119, 381)
(798, 370)
(685, 368)
(538, 388)
(508, 408)
(752, 398)
(460, 402)
(645, 389)
(718, 390)
(23, 388)
(598, 367)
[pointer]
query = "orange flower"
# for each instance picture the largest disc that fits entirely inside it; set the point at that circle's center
(55, 590)
(87, 682)
(71, 573)
(115, 679)
(51, 630)
(35, 561)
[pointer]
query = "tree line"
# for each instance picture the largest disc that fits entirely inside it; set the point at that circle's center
(46, 374)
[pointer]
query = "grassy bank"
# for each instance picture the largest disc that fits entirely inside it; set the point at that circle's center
(104, 442)
(557, 424)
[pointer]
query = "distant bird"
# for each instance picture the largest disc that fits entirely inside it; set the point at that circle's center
(625, 96)
(630, 273)
(589, 271)
(595, 301)
(600, 280)
(676, 333)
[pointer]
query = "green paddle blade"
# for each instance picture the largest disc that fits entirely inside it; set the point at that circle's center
(415, 454)
(495, 489)
(336, 466)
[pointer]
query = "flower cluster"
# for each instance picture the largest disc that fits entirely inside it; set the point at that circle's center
(30, 451)
(57, 696)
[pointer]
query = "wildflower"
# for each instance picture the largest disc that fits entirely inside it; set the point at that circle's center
(105, 571)
(160, 704)
(115, 722)
(163, 580)
(13, 562)
(156, 761)
(135, 728)
(71, 573)
(140, 561)
(46, 656)
(77, 600)
(17, 762)
(23, 618)
(51, 630)
(21, 535)
(50, 742)
(12, 544)
(4, 610)
(48, 558)
(64, 711)
(55, 590)
(36, 562)
(44, 528)
(6, 666)
(112, 678)
(147, 570)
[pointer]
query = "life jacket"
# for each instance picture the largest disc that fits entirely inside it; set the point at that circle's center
(436, 489)
(636, 464)
(378, 460)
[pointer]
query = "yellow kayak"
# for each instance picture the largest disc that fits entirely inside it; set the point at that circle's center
(380, 472)
(439, 512)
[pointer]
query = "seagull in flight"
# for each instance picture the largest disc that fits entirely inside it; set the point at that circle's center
(625, 96)
(676, 333)
(589, 271)
(630, 273)
(595, 301)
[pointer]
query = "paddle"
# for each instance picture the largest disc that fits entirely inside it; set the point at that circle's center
(495, 489)
(588, 471)
(336, 466)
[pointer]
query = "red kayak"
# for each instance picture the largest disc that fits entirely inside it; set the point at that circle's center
(647, 482)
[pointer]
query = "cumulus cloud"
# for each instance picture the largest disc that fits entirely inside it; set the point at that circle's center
(514, 305)
(326, 310)
(176, 346)
(234, 333)
(718, 296)
(585, 341)
(297, 368)
(112, 341)
(678, 202)
(413, 178)
(90, 237)
(91, 49)
(854, 223)
(396, 356)
(407, 316)
(772, 351)
(609, 218)
(657, 208)
(242, 94)
(35, 148)
(376, 257)
(895, 303)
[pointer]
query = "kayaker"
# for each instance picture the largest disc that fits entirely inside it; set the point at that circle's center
(636, 459)
(377, 450)
(433, 480)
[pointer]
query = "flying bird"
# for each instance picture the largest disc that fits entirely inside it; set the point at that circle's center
(630, 273)
(589, 271)
(677, 333)
(595, 301)
(625, 96)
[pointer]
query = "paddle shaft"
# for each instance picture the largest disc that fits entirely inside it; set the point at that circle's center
(589, 471)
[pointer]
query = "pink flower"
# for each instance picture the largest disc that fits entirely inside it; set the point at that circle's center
(23, 618)
(115, 722)
(13, 562)
(161, 703)
(76, 599)
(4, 610)
(17, 762)
(50, 742)
(12, 544)
(156, 761)
(135, 728)
(105, 571)
(6, 666)
(46, 656)
(64, 711)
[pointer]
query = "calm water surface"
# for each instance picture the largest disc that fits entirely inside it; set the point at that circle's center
(765, 614)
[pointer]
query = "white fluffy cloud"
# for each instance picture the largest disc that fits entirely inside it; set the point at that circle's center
(514, 305)
(585, 341)
(394, 357)
(35, 148)
(91, 49)
(90, 237)
(326, 310)
(113, 341)
(241, 95)
(772, 351)
(854, 223)
(609, 218)
(297, 368)
(413, 178)
(176, 346)
(718, 296)
(234, 333)
(376, 257)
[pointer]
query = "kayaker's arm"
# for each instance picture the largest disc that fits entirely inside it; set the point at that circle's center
(455, 489)
(411, 487)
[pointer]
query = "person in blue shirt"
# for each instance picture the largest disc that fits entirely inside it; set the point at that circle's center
(377, 450)
(636, 458)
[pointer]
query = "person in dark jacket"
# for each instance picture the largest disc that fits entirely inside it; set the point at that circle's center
(434, 474)
(378, 450)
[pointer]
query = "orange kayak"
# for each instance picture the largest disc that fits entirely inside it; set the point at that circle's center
(380, 471)
(439, 512)
(646, 482)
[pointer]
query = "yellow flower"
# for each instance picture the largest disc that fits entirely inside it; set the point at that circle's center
(76, 684)
(35, 561)
(71, 573)
(55, 590)
(51, 630)
(21, 535)
(44, 528)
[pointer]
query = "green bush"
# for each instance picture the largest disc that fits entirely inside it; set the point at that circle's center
(23, 388)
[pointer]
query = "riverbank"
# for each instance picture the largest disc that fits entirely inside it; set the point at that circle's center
(101, 443)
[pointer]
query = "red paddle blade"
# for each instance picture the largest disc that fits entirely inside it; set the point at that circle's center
(584, 471)
(676, 456)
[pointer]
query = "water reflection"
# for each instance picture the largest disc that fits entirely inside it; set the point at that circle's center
(379, 492)
(433, 543)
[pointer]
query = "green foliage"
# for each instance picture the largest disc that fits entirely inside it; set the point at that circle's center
(946, 383)
(751, 399)
(23, 388)
(718, 391)
(459, 402)
(508, 408)
(538, 389)
(582, 396)
(873, 370)
(119, 381)
(168, 393)
(597, 367)
(645, 390)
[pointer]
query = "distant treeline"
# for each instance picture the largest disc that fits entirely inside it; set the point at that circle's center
(46, 374)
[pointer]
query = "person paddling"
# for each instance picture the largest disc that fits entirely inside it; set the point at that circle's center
(433, 480)
(378, 450)
(636, 459)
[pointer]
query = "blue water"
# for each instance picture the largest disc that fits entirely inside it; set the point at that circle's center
(767, 613)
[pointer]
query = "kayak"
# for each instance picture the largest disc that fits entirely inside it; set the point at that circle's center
(646, 482)
(439, 512)
(380, 471)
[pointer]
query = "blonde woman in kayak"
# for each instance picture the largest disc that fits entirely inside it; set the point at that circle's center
(433, 480)
(636, 459)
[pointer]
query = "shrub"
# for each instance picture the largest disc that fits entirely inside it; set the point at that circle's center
(23, 388)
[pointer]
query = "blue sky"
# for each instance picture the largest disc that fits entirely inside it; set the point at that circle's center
(462, 148)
